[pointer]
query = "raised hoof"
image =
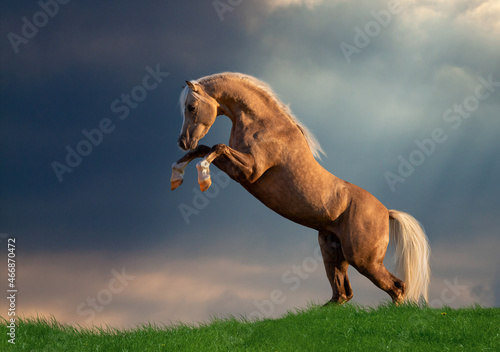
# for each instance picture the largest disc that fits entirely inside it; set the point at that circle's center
(204, 185)
(174, 184)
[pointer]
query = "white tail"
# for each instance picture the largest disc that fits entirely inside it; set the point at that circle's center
(412, 254)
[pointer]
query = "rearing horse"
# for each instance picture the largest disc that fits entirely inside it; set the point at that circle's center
(272, 155)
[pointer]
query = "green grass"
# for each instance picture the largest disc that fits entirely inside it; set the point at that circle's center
(334, 328)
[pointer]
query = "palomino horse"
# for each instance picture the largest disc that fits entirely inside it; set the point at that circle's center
(272, 155)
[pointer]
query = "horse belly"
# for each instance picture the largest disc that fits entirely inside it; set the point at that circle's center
(304, 200)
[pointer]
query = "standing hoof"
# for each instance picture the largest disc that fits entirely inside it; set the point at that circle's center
(338, 301)
(204, 185)
(399, 301)
(175, 183)
(333, 304)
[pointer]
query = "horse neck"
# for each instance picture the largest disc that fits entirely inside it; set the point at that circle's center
(237, 99)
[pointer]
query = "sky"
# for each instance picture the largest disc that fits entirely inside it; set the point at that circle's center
(403, 96)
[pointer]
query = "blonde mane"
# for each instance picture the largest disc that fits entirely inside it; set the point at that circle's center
(313, 143)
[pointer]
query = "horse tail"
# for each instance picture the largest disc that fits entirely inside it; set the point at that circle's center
(412, 254)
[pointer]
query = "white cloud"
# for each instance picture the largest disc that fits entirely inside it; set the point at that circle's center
(480, 14)
(485, 15)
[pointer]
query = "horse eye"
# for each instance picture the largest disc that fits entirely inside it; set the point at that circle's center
(191, 108)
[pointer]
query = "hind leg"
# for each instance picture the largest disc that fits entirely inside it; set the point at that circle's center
(382, 278)
(365, 248)
(336, 267)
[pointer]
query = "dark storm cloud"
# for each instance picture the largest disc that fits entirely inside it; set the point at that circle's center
(120, 36)
(64, 80)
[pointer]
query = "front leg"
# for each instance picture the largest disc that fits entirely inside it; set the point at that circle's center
(237, 165)
(179, 166)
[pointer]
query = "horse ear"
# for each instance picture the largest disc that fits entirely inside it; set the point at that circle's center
(192, 86)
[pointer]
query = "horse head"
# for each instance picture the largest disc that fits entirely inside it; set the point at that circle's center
(199, 111)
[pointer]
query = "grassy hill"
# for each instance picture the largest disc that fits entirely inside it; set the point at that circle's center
(333, 328)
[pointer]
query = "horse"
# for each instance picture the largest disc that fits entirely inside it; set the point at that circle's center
(274, 157)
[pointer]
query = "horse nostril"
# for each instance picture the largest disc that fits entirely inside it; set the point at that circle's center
(182, 143)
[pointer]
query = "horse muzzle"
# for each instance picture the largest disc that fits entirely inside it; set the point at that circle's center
(185, 145)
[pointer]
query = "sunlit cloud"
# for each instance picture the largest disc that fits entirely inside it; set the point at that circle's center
(165, 290)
